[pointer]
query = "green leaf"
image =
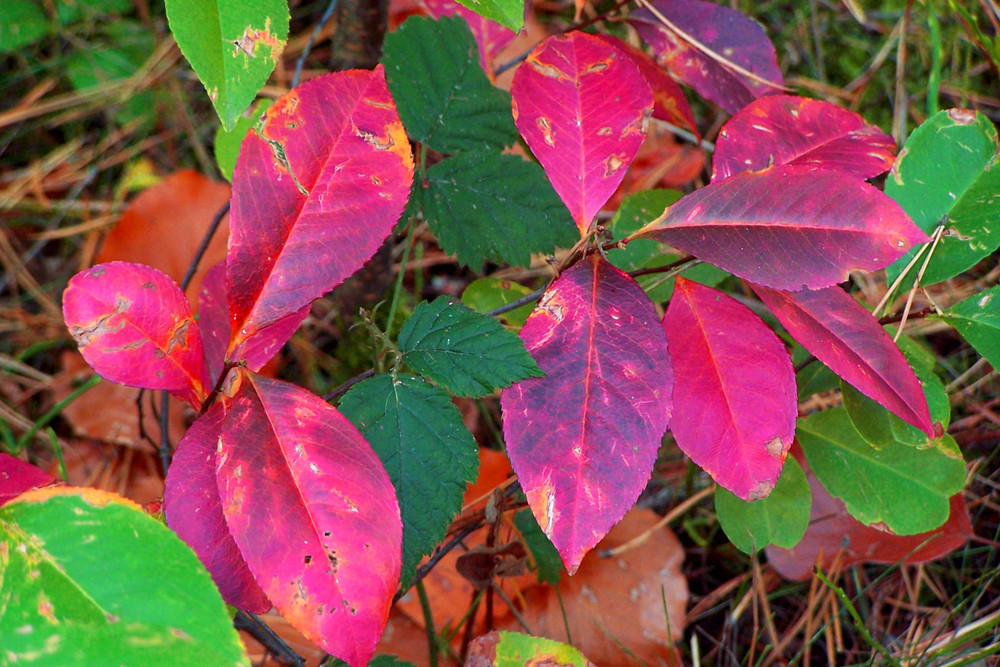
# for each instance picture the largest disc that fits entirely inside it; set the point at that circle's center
(89, 580)
(443, 96)
(22, 23)
(232, 46)
(978, 320)
(905, 489)
(878, 426)
(429, 454)
(815, 378)
(467, 353)
(548, 564)
(485, 294)
(516, 650)
(780, 518)
(509, 13)
(227, 143)
(500, 208)
(949, 167)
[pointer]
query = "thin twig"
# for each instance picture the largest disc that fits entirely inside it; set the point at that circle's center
(517, 303)
(312, 42)
(670, 516)
(340, 389)
(268, 638)
(203, 246)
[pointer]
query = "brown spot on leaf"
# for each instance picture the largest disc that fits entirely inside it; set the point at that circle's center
(84, 333)
(546, 70)
(762, 489)
(611, 165)
(251, 37)
(179, 336)
(962, 116)
(775, 447)
(546, 127)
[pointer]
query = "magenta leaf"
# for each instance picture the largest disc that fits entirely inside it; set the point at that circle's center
(844, 336)
(669, 102)
(788, 227)
(17, 476)
(782, 129)
(315, 192)
(134, 326)
(728, 34)
(583, 439)
(213, 316)
(734, 389)
(313, 513)
(194, 511)
(491, 37)
(581, 106)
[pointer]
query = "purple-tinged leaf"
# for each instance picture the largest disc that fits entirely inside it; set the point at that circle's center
(491, 37)
(583, 439)
(788, 227)
(315, 192)
(734, 389)
(669, 102)
(728, 34)
(194, 511)
(844, 336)
(313, 513)
(783, 129)
(213, 316)
(581, 106)
(134, 326)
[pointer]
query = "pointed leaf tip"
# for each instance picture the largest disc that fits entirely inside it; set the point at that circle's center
(581, 105)
(330, 154)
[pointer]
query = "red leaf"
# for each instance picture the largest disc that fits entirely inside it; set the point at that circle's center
(194, 511)
(16, 477)
(844, 336)
(581, 106)
(726, 32)
(583, 439)
(788, 227)
(313, 512)
(834, 535)
(782, 129)
(213, 316)
(134, 326)
(490, 35)
(669, 102)
(315, 193)
(734, 389)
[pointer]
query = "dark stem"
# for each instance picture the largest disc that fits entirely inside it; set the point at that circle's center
(513, 305)
(312, 41)
(203, 246)
(274, 644)
(164, 435)
(337, 391)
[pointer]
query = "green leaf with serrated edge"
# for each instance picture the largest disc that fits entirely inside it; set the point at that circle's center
(443, 96)
(880, 427)
(488, 206)
(88, 579)
(430, 456)
(903, 488)
(227, 142)
(377, 661)
(548, 564)
(508, 13)
(484, 294)
(22, 23)
(467, 353)
(949, 167)
(978, 320)
(517, 650)
(635, 211)
(781, 518)
(232, 46)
